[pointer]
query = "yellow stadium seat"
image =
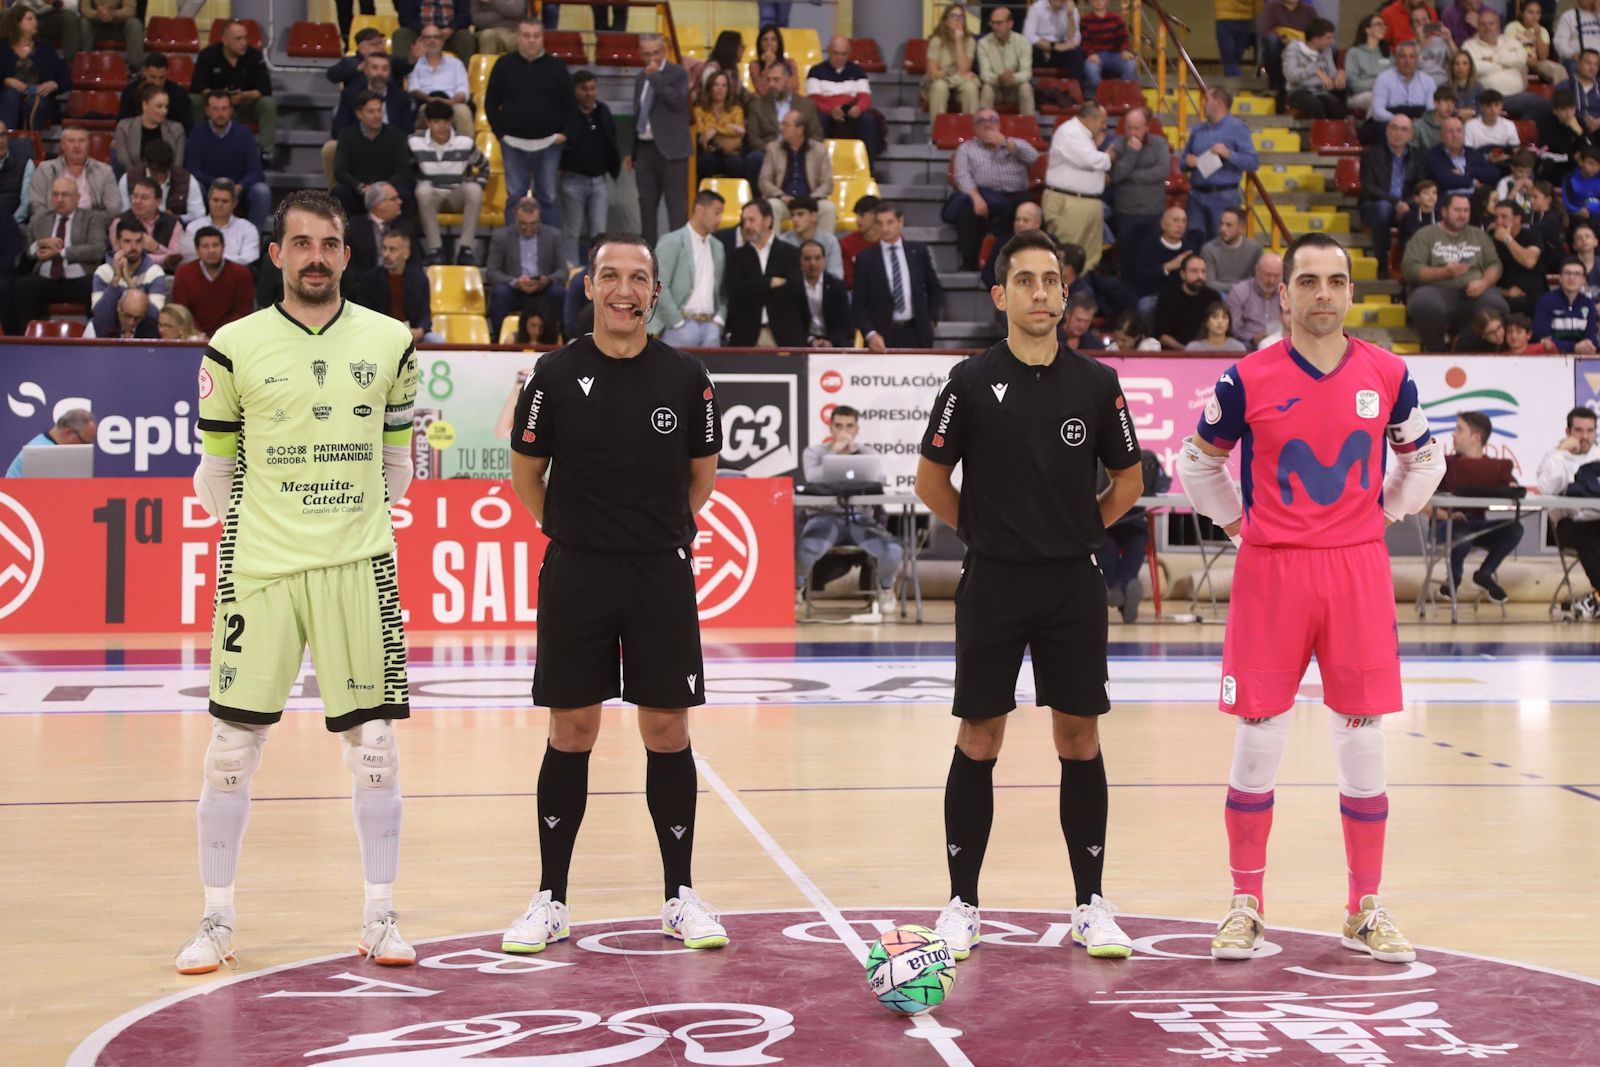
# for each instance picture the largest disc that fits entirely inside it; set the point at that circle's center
(1254, 104)
(489, 145)
(387, 23)
(462, 329)
(1275, 139)
(1377, 313)
(508, 330)
(804, 46)
(846, 191)
(457, 290)
(1363, 268)
(493, 211)
(1296, 178)
(736, 193)
(849, 158)
(1325, 220)
(1405, 348)
(478, 73)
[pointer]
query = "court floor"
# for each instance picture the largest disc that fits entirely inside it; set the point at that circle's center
(823, 756)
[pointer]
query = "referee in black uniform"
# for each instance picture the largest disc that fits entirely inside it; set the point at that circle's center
(632, 428)
(1028, 420)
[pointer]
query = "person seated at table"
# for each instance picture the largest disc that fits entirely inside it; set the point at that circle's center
(862, 527)
(1469, 472)
(1577, 529)
(1121, 556)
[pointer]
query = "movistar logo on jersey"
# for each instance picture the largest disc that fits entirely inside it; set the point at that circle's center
(1323, 484)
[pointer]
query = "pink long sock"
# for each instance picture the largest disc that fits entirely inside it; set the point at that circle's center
(1364, 821)
(1249, 820)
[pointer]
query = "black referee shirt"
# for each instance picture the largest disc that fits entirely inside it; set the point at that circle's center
(1028, 439)
(619, 434)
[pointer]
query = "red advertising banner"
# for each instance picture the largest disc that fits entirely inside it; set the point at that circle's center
(138, 555)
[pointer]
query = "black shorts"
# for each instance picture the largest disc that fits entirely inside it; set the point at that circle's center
(599, 610)
(1056, 610)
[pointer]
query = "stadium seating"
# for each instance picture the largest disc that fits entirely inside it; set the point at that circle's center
(53, 328)
(1527, 131)
(846, 191)
(386, 23)
(952, 128)
(30, 144)
(1334, 137)
(457, 291)
(165, 34)
(462, 329)
(251, 26)
(99, 70)
(508, 330)
(100, 145)
(849, 158)
(916, 57)
(1024, 127)
(617, 50)
(315, 40)
(92, 109)
(1347, 176)
(864, 50)
(565, 45)
(804, 46)
(736, 192)
(1117, 96)
(180, 68)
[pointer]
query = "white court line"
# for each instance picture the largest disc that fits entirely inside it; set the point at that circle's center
(941, 1038)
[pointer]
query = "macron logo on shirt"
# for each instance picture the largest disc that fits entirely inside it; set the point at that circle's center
(586, 384)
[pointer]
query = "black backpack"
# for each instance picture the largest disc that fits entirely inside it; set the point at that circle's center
(1585, 481)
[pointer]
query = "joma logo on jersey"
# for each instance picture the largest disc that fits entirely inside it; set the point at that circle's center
(1323, 483)
(364, 373)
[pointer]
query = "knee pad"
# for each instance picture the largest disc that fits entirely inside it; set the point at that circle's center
(233, 755)
(1258, 748)
(1358, 746)
(371, 754)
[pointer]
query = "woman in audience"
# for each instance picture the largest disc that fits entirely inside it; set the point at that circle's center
(952, 65)
(1548, 218)
(32, 73)
(1464, 80)
(1216, 336)
(177, 324)
(1531, 34)
(1434, 46)
(151, 124)
(1127, 334)
(769, 50)
(1366, 59)
(535, 330)
(726, 56)
(719, 130)
(1488, 333)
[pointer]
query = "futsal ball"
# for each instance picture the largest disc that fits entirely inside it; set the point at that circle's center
(910, 970)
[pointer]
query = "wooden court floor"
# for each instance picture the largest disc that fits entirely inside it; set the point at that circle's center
(1494, 834)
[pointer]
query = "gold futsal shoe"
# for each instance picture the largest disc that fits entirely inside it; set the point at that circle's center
(1242, 930)
(1372, 930)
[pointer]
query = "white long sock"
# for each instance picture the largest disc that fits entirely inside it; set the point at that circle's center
(377, 813)
(222, 818)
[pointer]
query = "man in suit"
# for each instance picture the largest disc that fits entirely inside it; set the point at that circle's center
(365, 235)
(692, 309)
(67, 244)
(828, 322)
(898, 298)
(765, 290)
(662, 141)
(398, 287)
(527, 270)
(765, 113)
(1389, 172)
(74, 162)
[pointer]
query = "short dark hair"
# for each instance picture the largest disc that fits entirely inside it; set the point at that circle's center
(147, 183)
(865, 205)
(438, 109)
(1073, 256)
(889, 206)
(1237, 212)
(1317, 27)
(365, 97)
(367, 33)
(158, 155)
(1520, 321)
(129, 226)
(385, 56)
(1523, 158)
(1311, 240)
(761, 206)
(208, 231)
(1586, 51)
(216, 92)
(1444, 92)
(148, 92)
(225, 185)
(1589, 152)
(1457, 194)
(804, 203)
(846, 410)
(1478, 423)
(1491, 96)
(1563, 98)
(623, 238)
(1514, 207)
(1574, 261)
(1579, 412)
(154, 61)
(1426, 183)
(808, 242)
(1221, 92)
(582, 77)
(708, 196)
(1081, 301)
(1019, 243)
(316, 202)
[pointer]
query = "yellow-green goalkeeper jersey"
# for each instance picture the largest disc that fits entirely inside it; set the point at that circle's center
(306, 412)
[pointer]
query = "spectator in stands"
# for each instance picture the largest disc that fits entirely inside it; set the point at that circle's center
(127, 143)
(861, 527)
(1586, 90)
(1519, 337)
(375, 76)
(175, 323)
(769, 50)
(1140, 167)
(727, 56)
(1487, 334)
(1561, 135)
(451, 176)
(73, 427)
(1397, 15)
(692, 310)
(662, 141)
(365, 233)
(1535, 40)
(797, 166)
(764, 290)
(440, 76)
(1467, 472)
(496, 22)
(1452, 268)
(1455, 167)
(1577, 530)
(1581, 191)
(450, 18)
(1254, 303)
(1463, 78)
(767, 111)
(1180, 314)
(1128, 334)
(1502, 65)
(897, 296)
(1236, 31)
(991, 179)
(1577, 30)
(1426, 130)
(1226, 139)
(1052, 28)
(1111, 294)
(839, 88)
(952, 64)
(1461, 19)
(1292, 16)
(719, 130)
(16, 175)
(1435, 47)
(534, 329)
(529, 102)
(861, 238)
(1106, 50)
(1217, 333)
(1389, 173)
(371, 151)
(241, 241)
(828, 321)
(1521, 255)
(1076, 180)
(370, 41)
(1566, 316)
(1230, 256)
(131, 267)
(1584, 245)
(234, 65)
(399, 288)
(220, 149)
(153, 71)
(1314, 82)
(163, 231)
(1424, 210)
(32, 71)
(806, 226)
(589, 156)
(1146, 268)
(66, 243)
(215, 289)
(526, 269)
(1400, 90)
(116, 24)
(1077, 329)
(1367, 59)
(180, 193)
(1005, 65)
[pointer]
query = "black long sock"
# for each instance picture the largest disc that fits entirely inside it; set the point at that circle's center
(1084, 805)
(563, 797)
(968, 815)
(670, 788)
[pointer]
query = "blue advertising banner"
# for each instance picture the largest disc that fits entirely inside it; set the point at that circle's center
(1587, 386)
(143, 397)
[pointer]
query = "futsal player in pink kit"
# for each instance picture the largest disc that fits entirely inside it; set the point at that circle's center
(1313, 417)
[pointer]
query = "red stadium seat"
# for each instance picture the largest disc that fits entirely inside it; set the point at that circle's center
(1025, 127)
(566, 45)
(1069, 86)
(864, 50)
(171, 35)
(180, 69)
(218, 25)
(53, 327)
(1347, 176)
(1334, 137)
(57, 310)
(99, 70)
(32, 145)
(1528, 131)
(617, 50)
(1037, 170)
(1177, 180)
(1117, 95)
(315, 40)
(951, 128)
(100, 145)
(916, 59)
(1544, 89)
(987, 249)
(92, 109)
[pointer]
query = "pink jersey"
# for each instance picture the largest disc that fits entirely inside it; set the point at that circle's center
(1312, 468)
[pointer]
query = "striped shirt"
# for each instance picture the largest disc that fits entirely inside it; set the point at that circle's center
(1104, 33)
(448, 165)
(979, 166)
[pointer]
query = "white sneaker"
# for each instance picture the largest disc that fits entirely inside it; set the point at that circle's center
(544, 923)
(958, 925)
(1094, 928)
(382, 944)
(686, 918)
(210, 948)
(888, 604)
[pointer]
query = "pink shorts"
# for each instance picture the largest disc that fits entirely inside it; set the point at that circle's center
(1288, 603)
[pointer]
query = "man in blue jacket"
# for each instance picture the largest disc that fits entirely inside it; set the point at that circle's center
(1225, 138)
(1566, 315)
